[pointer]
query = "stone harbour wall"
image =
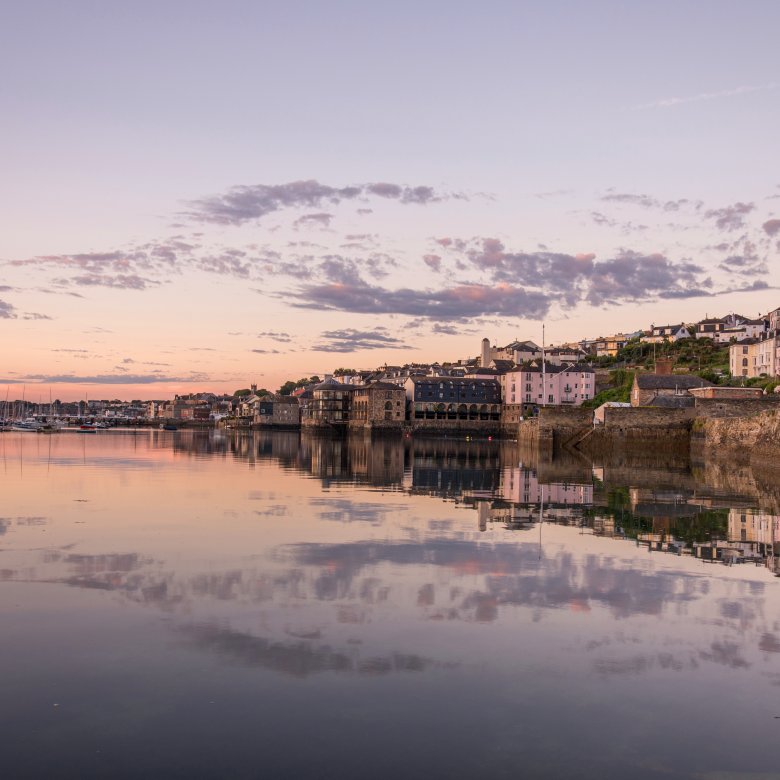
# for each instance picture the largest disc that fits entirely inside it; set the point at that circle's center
(737, 407)
(454, 427)
(755, 438)
(648, 418)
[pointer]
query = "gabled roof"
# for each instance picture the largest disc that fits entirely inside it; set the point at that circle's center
(522, 345)
(453, 380)
(503, 365)
(670, 381)
(331, 384)
(379, 386)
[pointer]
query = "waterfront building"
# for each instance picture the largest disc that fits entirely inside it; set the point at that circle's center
(330, 404)
(378, 405)
(277, 411)
(567, 384)
(453, 399)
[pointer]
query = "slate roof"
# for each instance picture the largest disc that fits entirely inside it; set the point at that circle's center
(554, 368)
(670, 381)
(503, 365)
(380, 386)
(673, 401)
(332, 384)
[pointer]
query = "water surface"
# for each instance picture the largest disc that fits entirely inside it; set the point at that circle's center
(202, 604)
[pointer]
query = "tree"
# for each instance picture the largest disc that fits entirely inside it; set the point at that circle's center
(290, 385)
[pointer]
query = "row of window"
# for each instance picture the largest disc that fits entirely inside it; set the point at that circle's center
(567, 389)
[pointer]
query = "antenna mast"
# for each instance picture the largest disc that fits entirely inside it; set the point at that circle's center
(544, 387)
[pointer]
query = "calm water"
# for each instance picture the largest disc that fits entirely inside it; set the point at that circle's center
(204, 605)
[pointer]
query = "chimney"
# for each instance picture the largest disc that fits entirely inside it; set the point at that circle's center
(663, 366)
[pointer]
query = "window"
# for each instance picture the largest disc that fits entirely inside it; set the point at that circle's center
(549, 399)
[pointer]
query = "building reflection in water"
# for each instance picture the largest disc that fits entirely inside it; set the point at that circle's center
(665, 506)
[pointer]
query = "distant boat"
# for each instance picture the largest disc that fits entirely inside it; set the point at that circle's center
(28, 424)
(169, 427)
(92, 427)
(51, 423)
(50, 426)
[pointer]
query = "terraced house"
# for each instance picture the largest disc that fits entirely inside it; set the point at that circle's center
(568, 384)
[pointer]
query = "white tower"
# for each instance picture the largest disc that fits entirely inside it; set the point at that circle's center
(485, 358)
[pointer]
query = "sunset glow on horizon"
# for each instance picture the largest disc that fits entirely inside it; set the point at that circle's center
(191, 203)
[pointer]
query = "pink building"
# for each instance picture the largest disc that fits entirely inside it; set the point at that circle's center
(521, 485)
(561, 385)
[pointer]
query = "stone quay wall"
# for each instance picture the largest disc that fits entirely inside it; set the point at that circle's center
(511, 417)
(647, 418)
(755, 438)
(528, 432)
(738, 407)
(456, 427)
(565, 417)
(377, 425)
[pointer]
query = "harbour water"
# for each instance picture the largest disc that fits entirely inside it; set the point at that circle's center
(205, 604)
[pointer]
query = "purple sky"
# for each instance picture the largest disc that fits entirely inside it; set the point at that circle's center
(202, 195)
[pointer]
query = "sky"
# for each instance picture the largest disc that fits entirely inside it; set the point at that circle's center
(202, 196)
